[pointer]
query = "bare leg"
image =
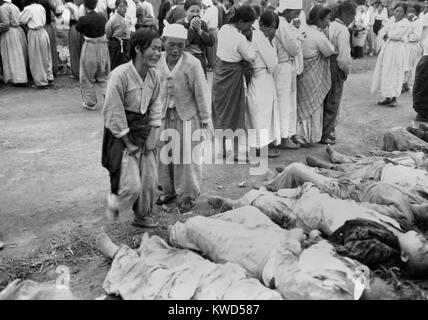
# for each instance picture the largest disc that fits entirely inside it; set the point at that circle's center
(337, 157)
(106, 246)
(295, 175)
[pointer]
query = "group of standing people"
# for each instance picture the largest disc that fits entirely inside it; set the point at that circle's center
(403, 38)
(286, 77)
(27, 41)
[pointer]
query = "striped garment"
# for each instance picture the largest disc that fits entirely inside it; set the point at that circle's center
(312, 85)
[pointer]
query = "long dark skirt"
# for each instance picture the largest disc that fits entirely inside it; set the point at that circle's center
(420, 88)
(118, 54)
(228, 95)
(75, 44)
(50, 29)
(112, 148)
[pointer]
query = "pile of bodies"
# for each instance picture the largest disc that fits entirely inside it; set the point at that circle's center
(313, 232)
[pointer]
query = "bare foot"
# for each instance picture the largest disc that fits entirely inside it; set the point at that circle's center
(104, 244)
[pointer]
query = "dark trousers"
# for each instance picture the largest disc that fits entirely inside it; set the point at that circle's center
(332, 100)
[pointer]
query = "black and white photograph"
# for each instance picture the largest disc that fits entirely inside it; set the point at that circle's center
(226, 151)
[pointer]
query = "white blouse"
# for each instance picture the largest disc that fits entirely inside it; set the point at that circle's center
(266, 53)
(233, 46)
(316, 42)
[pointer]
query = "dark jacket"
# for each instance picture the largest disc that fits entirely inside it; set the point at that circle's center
(204, 40)
(176, 14)
(163, 10)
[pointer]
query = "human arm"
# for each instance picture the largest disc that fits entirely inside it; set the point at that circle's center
(325, 46)
(397, 32)
(205, 36)
(109, 28)
(246, 50)
(114, 109)
(344, 59)
(80, 26)
(199, 85)
(5, 19)
(25, 16)
(415, 32)
(288, 39)
(155, 116)
(267, 53)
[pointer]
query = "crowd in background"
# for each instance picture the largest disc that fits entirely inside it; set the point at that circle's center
(275, 71)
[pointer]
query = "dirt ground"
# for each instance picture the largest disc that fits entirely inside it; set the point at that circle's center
(53, 188)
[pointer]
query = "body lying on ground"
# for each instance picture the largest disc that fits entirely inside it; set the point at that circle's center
(275, 256)
(157, 271)
(371, 183)
(308, 208)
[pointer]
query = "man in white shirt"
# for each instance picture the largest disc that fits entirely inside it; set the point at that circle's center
(211, 18)
(340, 67)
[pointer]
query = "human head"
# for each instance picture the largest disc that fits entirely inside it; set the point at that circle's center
(90, 4)
(121, 7)
(290, 9)
(319, 16)
(346, 11)
(244, 17)
(268, 24)
(257, 10)
(400, 11)
(174, 39)
(414, 253)
(228, 3)
(413, 11)
(193, 8)
(145, 46)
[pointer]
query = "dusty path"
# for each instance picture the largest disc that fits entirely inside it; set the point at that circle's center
(53, 188)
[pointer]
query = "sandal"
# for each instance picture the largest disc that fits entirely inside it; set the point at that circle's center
(165, 198)
(145, 222)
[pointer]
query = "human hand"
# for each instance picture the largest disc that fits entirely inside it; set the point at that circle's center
(150, 144)
(3, 27)
(248, 34)
(196, 24)
(132, 148)
(296, 22)
(208, 130)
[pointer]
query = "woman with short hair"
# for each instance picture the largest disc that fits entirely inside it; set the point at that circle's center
(314, 83)
(132, 115)
(392, 61)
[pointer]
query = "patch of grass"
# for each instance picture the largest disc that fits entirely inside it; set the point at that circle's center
(72, 251)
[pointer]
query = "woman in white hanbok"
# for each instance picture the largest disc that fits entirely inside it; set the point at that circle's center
(262, 113)
(392, 61)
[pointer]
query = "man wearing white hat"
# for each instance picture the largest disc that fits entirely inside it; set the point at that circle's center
(187, 107)
(288, 47)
